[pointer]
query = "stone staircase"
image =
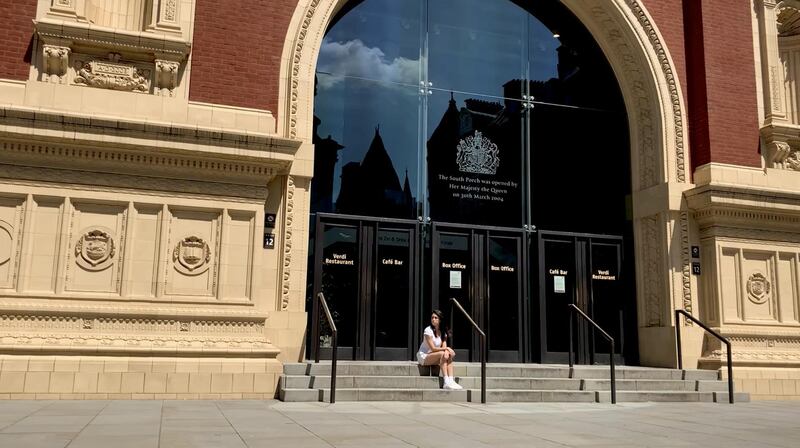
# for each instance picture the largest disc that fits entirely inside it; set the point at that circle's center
(406, 381)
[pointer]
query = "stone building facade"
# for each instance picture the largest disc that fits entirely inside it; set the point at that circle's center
(156, 168)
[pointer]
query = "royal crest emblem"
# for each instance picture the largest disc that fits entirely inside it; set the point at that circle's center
(477, 154)
(758, 288)
(95, 250)
(191, 255)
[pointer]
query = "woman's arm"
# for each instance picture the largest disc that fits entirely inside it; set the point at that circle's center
(429, 341)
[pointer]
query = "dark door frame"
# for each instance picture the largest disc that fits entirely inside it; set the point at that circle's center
(478, 286)
(581, 295)
(367, 246)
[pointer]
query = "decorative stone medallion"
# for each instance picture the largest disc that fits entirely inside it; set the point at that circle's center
(112, 74)
(6, 238)
(758, 288)
(191, 256)
(95, 250)
(477, 154)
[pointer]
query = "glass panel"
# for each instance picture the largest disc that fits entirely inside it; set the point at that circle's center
(393, 298)
(367, 163)
(477, 46)
(559, 277)
(340, 271)
(504, 293)
(579, 180)
(377, 40)
(454, 283)
(475, 159)
(567, 67)
(607, 297)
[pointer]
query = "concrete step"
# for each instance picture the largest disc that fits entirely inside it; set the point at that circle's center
(363, 382)
(533, 396)
(510, 383)
(653, 385)
(395, 395)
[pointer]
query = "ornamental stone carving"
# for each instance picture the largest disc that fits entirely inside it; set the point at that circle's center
(191, 256)
(782, 155)
(112, 74)
(56, 62)
(166, 77)
(95, 250)
(758, 288)
(788, 17)
(6, 240)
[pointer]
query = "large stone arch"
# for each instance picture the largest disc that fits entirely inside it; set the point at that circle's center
(659, 158)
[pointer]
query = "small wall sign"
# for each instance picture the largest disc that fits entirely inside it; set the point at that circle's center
(695, 251)
(696, 268)
(269, 241)
(269, 220)
(455, 279)
(559, 284)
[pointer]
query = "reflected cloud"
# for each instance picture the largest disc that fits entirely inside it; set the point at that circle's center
(354, 58)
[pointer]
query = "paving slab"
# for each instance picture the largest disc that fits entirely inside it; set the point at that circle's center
(270, 423)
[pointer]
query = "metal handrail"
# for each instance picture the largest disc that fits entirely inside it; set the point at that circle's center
(483, 348)
(608, 337)
(713, 333)
(319, 300)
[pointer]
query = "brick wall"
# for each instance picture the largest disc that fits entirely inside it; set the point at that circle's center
(723, 111)
(236, 53)
(16, 32)
(668, 16)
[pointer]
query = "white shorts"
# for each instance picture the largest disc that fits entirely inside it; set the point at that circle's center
(421, 357)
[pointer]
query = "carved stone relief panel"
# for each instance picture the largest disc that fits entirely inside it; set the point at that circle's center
(11, 222)
(758, 283)
(96, 238)
(112, 74)
(192, 261)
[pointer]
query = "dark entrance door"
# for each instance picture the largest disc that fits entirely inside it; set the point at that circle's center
(483, 268)
(586, 270)
(366, 267)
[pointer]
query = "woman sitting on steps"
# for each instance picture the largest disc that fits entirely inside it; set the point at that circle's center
(434, 350)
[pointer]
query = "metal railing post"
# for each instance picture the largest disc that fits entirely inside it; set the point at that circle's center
(705, 327)
(483, 348)
(574, 309)
(335, 348)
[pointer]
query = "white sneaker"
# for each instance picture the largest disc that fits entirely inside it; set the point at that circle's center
(454, 385)
(450, 386)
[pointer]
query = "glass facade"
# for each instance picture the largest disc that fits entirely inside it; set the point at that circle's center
(455, 142)
(468, 111)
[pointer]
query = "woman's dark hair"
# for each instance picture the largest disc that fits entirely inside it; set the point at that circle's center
(443, 331)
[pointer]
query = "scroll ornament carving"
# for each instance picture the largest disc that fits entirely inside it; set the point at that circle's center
(166, 77)
(56, 61)
(781, 155)
(787, 14)
(95, 250)
(758, 288)
(112, 75)
(191, 256)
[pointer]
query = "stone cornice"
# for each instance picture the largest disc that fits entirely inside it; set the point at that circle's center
(110, 38)
(747, 207)
(151, 133)
(167, 310)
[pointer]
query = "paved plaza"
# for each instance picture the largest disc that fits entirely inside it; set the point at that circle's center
(236, 424)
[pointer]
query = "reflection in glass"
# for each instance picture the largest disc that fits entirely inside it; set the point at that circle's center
(475, 156)
(476, 46)
(375, 40)
(367, 163)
